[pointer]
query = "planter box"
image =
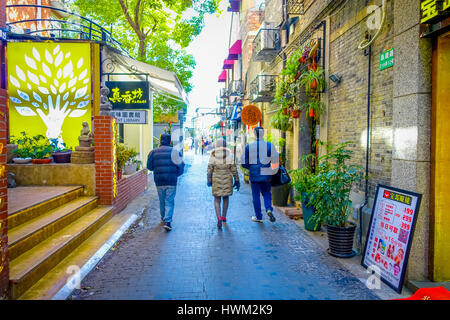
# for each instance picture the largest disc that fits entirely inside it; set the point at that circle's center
(61, 157)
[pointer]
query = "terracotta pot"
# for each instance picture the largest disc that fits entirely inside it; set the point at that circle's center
(296, 114)
(285, 111)
(311, 113)
(41, 161)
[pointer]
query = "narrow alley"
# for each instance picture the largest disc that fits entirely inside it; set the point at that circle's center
(244, 260)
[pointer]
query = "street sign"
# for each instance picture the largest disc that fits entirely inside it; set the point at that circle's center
(387, 59)
(128, 94)
(390, 234)
(130, 116)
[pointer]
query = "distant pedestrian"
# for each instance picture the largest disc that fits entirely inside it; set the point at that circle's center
(196, 145)
(221, 172)
(258, 158)
(202, 145)
(167, 165)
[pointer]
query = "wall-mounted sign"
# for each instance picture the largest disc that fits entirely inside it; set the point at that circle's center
(433, 11)
(128, 94)
(390, 234)
(387, 59)
(49, 88)
(130, 116)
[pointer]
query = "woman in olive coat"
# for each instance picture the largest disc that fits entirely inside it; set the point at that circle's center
(221, 171)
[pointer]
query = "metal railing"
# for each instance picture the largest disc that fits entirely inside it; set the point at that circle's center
(236, 88)
(262, 88)
(75, 27)
(295, 7)
(267, 44)
(224, 93)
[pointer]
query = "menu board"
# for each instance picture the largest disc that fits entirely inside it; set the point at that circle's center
(390, 234)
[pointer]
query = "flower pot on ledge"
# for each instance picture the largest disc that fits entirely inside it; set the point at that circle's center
(62, 157)
(41, 161)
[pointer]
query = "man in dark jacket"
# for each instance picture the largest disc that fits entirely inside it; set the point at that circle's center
(258, 158)
(167, 165)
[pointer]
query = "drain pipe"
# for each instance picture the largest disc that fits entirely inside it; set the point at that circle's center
(368, 52)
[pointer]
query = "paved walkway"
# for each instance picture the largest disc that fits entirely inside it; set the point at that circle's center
(244, 260)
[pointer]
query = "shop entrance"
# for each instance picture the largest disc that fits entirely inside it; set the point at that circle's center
(440, 162)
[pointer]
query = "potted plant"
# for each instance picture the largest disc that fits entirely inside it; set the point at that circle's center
(313, 81)
(314, 108)
(132, 163)
(303, 181)
(331, 198)
(296, 112)
(60, 153)
(123, 155)
(280, 121)
(41, 150)
(24, 148)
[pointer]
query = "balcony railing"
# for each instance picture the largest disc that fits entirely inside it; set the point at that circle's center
(224, 93)
(70, 25)
(296, 7)
(236, 88)
(267, 43)
(262, 88)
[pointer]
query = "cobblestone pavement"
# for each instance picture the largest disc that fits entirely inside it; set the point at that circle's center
(244, 260)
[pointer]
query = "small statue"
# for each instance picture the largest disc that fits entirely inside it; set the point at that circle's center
(85, 138)
(11, 180)
(105, 105)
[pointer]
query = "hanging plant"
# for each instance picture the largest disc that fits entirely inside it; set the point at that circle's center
(314, 108)
(280, 121)
(313, 82)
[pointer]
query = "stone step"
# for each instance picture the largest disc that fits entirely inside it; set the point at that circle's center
(84, 256)
(32, 265)
(43, 206)
(29, 234)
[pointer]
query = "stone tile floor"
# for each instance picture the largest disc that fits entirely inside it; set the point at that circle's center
(244, 260)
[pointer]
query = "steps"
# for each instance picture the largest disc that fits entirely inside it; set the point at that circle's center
(44, 234)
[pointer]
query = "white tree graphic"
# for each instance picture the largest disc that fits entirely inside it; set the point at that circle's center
(51, 85)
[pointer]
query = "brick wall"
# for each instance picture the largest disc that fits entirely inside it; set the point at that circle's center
(128, 188)
(104, 175)
(4, 269)
(348, 101)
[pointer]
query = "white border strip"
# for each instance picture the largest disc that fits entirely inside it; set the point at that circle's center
(66, 291)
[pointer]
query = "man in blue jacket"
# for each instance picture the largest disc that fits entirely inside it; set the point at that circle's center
(258, 158)
(167, 165)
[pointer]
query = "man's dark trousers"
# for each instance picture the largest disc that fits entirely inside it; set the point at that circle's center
(264, 189)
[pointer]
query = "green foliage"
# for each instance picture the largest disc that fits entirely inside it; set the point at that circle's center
(280, 121)
(124, 155)
(313, 106)
(55, 145)
(37, 147)
(156, 32)
(291, 68)
(303, 179)
(332, 185)
(313, 81)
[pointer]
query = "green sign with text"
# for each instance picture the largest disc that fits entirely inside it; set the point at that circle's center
(387, 59)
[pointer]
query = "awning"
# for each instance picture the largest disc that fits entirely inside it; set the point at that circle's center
(234, 6)
(228, 64)
(162, 81)
(235, 50)
(236, 114)
(223, 76)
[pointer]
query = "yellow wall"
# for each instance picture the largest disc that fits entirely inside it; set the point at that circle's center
(440, 238)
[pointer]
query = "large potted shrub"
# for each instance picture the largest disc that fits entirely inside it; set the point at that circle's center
(304, 183)
(123, 154)
(41, 150)
(24, 148)
(331, 198)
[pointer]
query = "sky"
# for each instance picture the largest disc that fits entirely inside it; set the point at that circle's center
(209, 49)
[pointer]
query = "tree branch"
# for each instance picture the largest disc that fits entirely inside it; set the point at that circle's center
(136, 29)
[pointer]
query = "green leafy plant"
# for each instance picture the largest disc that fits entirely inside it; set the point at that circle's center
(332, 185)
(124, 154)
(313, 81)
(57, 147)
(303, 180)
(25, 145)
(280, 121)
(314, 108)
(37, 147)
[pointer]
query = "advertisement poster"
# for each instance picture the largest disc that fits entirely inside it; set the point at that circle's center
(390, 234)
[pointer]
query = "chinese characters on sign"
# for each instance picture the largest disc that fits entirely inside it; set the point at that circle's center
(128, 94)
(130, 116)
(387, 59)
(390, 233)
(434, 10)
